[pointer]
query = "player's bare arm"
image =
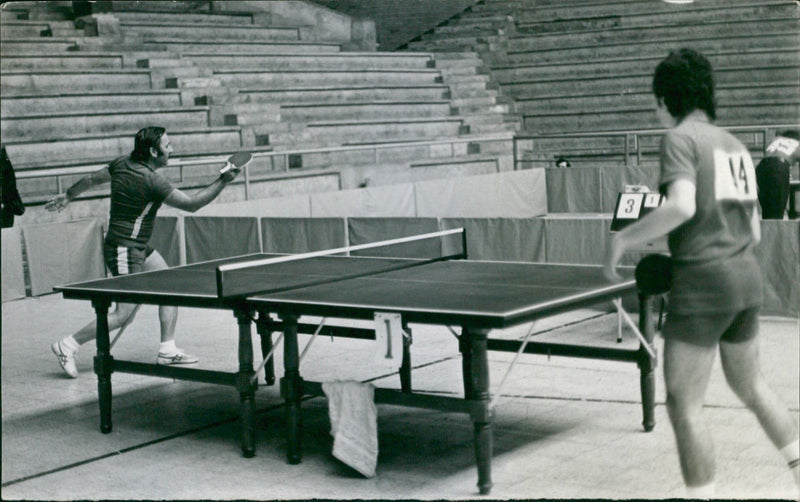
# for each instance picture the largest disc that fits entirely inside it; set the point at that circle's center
(678, 207)
(87, 182)
(192, 202)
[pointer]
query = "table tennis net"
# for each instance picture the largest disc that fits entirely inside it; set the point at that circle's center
(287, 272)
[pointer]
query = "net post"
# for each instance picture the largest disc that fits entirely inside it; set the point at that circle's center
(218, 274)
(464, 243)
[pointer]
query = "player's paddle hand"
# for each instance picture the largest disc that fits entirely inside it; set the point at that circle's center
(614, 251)
(230, 174)
(58, 203)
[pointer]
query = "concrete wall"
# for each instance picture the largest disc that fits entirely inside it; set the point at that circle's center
(399, 21)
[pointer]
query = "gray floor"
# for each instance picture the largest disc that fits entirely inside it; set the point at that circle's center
(564, 428)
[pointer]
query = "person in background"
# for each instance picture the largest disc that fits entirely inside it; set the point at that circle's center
(137, 192)
(562, 162)
(773, 173)
(10, 202)
(712, 221)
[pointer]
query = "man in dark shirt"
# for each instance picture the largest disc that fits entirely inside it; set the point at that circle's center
(773, 174)
(137, 192)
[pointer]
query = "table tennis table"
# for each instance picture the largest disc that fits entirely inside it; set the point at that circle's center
(477, 296)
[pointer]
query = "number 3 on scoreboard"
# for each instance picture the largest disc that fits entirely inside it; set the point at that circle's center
(735, 176)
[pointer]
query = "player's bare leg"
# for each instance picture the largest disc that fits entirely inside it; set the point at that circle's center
(168, 352)
(687, 369)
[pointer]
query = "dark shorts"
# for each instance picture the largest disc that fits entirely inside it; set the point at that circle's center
(122, 260)
(709, 329)
(772, 178)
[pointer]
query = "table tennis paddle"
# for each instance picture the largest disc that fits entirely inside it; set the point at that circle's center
(236, 162)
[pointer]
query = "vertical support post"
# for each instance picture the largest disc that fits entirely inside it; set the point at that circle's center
(264, 328)
(627, 137)
(481, 412)
(405, 367)
(246, 182)
(638, 140)
(292, 389)
(103, 364)
(647, 363)
(246, 387)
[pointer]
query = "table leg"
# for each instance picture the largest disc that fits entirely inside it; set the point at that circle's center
(405, 367)
(647, 363)
(292, 389)
(103, 364)
(481, 414)
(264, 329)
(246, 387)
(465, 347)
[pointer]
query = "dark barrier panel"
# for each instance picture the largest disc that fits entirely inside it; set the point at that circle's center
(166, 239)
(211, 237)
(366, 230)
(302, 235)
(502, 239)
(13, 279)
(573, 190)
(779, 257)
(63, 252)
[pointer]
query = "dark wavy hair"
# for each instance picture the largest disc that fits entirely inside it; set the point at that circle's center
(145, 139)
(684, 82)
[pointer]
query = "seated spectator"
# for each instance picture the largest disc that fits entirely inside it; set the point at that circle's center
(562, 162)
(773, 173)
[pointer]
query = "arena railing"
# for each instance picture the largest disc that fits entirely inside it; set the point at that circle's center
(61, 173)
(632, 140)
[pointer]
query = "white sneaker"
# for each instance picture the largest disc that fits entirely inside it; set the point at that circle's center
(65, 359)
(179, 357)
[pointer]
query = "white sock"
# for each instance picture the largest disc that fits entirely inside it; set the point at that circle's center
(168, 347)
(69, 344)
(705, 491)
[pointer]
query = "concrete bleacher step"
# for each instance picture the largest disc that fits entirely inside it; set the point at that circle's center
(456, 32)
(69, 61)
(467, 106)
(371, 131)
(235, 18)
(504, 73)
(9, 13)
(298, 61)
(96, 101)
(52, 125)
(766, 93)
(470, 19)
(44, 81)
(635, 117)
(89, 149)
(240, 46)
(638, 13)
(347, 94)
(29, 81)
(654, 47)
(205, 31)
(41, 45)
(25, 29)
(396, 155)
(636, 83)
(316, 112)
(684, 31)
(247, 79)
